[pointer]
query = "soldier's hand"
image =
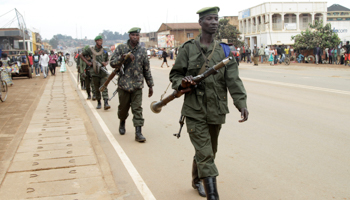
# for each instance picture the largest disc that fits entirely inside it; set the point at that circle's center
(244, 115)
(187, 82)
(150, 92)
(89, 63)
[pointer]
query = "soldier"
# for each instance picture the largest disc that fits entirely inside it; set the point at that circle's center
(86, 72)
(130, 83)
(99, 75)
(205, 108)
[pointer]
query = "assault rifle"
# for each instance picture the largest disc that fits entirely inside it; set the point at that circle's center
(114, 72)
(156, 107)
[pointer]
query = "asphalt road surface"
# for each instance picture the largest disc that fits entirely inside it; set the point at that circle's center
(295, 144)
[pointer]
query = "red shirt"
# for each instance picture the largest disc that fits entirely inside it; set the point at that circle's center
(30, 60)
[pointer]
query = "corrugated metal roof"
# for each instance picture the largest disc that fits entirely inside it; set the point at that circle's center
(337, 7)
(181, 26)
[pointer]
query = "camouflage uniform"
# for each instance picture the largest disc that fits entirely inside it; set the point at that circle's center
(85, 71)
(100, 78)
(130, 83)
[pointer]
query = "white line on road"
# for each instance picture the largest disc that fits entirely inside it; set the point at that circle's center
(136, 177)
(298, 86)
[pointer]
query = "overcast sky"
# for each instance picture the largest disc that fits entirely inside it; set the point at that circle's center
(88, 18)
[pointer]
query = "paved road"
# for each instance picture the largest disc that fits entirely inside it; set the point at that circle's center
(295, 144)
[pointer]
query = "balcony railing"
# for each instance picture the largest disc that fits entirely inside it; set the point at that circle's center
(277, 26)
(253, 29)
(262, 27)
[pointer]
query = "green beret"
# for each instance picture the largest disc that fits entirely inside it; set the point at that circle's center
(98, 38)
(208, 11)
(86, 48)
(135, 30)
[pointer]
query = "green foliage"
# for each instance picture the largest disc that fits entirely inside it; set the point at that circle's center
(54, 42)
(316, 34)
(109, 35)
(229, 32)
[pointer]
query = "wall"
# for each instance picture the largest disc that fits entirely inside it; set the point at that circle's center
(181, 35)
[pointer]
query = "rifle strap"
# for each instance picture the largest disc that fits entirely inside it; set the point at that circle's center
(206, 60)
(94, 54)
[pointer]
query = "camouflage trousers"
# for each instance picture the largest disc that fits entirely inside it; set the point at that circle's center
(99, 80)
(90, 87)
(133, 100)
(204, 138)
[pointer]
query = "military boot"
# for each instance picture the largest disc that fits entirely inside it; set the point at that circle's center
(89, 96)
(210, 188)
(82, 85)
(93, 97)
(122, 127)
(138, 135)
(196, 182)
(106, 106)
(98, 104)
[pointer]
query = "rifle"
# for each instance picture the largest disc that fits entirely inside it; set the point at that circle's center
(114, 72)
(156, 107)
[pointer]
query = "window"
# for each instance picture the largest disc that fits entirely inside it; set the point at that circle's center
(294, 19)
(189, 35)
(339, 19)
(347, 19)
(286, 20)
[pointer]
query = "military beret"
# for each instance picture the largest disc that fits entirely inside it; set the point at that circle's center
(98, 38)
(208, 11)
(86, 48)
(135, 30)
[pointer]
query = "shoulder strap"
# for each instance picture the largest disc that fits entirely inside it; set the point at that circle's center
(206, 60)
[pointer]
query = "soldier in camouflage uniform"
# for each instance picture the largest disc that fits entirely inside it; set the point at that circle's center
(205, 108)
(98, 76)
(86, 72)
(81, 78)
(130, 84)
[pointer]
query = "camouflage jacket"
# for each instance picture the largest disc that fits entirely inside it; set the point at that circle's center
(134, 72)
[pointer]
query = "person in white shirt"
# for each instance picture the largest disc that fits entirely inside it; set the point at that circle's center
(44, 61)
(267, 53)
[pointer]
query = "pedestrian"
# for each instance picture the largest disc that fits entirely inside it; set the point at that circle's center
(129, 85)
(335, 56)
(279, 53)
(262, 54)
(6, 70)
(164, 55)
(283, 54)
(275, 55)
(36, 59)
(52, 63)
(256, 55)
(342, 53)
(31, 63)
(63, 64)
(271, 54)
(317, 53)
(99, 73)
(205, 108)
(243, 53)
(248, 54)
(44, 62)
(330, 55)
(267, 53)
(347, 53)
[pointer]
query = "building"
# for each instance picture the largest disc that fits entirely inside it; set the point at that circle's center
(339, 18)
(11, 38)
(175, 34)
(274, 23)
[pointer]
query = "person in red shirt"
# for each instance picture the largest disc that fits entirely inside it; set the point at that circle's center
(30, 58)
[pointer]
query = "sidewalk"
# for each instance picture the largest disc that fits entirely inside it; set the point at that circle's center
(59, 156)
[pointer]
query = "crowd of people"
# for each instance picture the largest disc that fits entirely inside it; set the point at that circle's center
(276, 54)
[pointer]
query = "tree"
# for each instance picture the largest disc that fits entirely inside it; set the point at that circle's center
(229, 32)
(316, 34)
(53, 42)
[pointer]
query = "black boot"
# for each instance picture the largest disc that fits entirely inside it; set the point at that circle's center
(98, 104)
(93, 97)
(138, 135)
(210, 188)
(106, 106)
(196, 182)
(89, 96)
(122, 127)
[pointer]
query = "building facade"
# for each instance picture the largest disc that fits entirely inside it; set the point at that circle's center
(339, 18)
(274, 23)
(178, 32)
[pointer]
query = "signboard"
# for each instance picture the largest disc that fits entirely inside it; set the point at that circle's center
(290, 26)
(165, 41)
(144, 39)
(246, 13)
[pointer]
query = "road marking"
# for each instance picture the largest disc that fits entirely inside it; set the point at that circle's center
(136, 177)
(298, 86)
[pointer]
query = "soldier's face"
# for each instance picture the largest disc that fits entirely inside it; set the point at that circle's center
(99, 42)
(209, 23)
(134, 37)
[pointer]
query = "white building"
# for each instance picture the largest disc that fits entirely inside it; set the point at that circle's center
(339, 18)
(274, 23)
